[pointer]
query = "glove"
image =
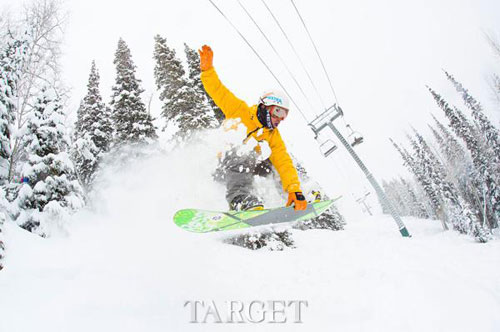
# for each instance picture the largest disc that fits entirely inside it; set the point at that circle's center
(298, 199)
(206, 57)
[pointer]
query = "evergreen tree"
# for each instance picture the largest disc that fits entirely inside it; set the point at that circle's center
(132, 123)
(414, 167)
(429, 175)
(93, 131)
(182, 104)
(458, 211)
(12, 54)
(459, 168)
(94, 117)
(417, 206)
(481, 160)
(85, 156)
(52, 190)
(452, 150)
(404, 198)
(169, 80)
(193, 61)
(437, 166)
(433, 168)
(486, 128)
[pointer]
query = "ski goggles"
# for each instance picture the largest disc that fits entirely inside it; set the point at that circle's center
(278, 112)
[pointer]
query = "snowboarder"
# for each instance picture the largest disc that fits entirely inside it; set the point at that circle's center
(261, 123)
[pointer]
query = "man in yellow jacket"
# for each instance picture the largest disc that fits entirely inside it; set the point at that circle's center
(261, 122)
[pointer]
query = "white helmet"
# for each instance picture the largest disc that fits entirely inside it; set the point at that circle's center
(274, 97)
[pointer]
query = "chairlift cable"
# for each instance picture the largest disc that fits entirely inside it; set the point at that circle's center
(277, 54)
(316, 49)
(296, 54)
(260, 58)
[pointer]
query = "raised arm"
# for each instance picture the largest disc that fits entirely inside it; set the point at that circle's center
(230, 105)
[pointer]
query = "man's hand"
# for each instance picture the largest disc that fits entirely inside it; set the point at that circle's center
(206, 57)
(298, 199)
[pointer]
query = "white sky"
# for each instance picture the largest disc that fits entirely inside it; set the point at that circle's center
(379, 54)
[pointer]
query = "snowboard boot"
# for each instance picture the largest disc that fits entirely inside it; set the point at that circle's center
(246, 203)
(317, 195)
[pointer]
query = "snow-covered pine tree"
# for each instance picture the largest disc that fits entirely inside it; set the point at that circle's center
(95, 118)
(12, 54)
(432, 168)
(52, 191)
(459, 168)
(132, 123)
(465, 130)
(85, 156)
(404, 198)
(458, 210)
(183, 105)
(93, 131)
(417, 206)
(197, 115)
(415, 168)
(488, 131)
(170, 80)
(193, 61)
(451, 149)
(432, 174)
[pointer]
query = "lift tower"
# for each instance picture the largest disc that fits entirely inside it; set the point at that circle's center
(325, 120)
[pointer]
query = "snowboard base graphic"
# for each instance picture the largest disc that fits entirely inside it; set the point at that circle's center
(203, 221)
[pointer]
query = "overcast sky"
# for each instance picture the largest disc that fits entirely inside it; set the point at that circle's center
(380, 56)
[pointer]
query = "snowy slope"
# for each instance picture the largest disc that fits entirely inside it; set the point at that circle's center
(124, 266)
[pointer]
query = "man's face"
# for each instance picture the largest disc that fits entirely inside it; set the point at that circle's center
(278, 114)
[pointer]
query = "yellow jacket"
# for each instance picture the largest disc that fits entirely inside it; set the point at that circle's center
(236, 108)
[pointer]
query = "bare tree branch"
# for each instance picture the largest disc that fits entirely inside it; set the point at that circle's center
(43, 21)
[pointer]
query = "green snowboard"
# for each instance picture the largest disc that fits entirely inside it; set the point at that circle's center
(203, 221)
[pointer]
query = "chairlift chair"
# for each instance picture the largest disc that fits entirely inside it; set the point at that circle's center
(356, 137)
(327, 147)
